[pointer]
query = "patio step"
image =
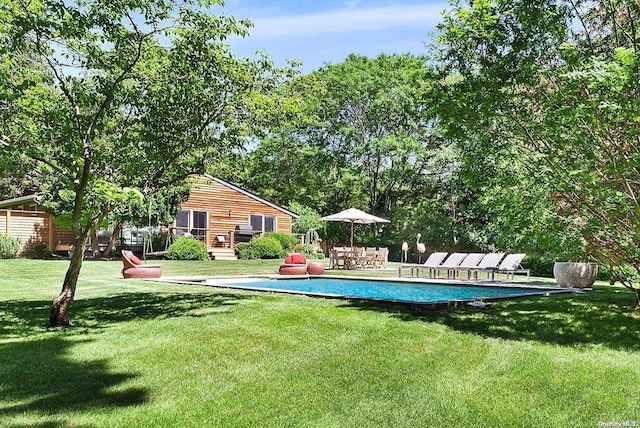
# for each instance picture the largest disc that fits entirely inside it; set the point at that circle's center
(222, 253)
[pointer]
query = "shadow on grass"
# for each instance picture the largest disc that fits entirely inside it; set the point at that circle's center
(602, 317)
(36, 374)
(23, 318)
(146, 306)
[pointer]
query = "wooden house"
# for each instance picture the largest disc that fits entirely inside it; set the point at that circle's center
(220, 213)
(217, 212)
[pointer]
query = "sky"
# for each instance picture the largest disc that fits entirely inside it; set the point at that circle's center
(319, 32)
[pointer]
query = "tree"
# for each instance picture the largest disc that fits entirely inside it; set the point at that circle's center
(551, 114)
(115, 101)
(359, 133)
(309, 219)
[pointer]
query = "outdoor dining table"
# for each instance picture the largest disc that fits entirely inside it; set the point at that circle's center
(347, 257)
(351, 259)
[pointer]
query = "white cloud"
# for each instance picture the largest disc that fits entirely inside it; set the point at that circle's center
(348, 20)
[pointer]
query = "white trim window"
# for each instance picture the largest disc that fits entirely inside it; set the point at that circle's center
(264, 223)
(192, 222)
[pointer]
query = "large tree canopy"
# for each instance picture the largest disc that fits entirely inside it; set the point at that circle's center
(362, 133)
(115, 100)
(543, 100)
(359, 127)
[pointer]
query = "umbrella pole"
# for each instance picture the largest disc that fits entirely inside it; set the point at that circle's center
(352, 236)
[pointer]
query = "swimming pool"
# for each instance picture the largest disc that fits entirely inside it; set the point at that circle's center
(382, 290)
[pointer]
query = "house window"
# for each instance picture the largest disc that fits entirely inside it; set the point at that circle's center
(269, 223)
(193, 222)
(263, 223)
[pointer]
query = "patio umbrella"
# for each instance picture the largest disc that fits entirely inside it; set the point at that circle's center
(353, 216)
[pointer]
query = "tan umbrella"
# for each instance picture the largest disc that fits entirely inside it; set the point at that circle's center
(353, 216)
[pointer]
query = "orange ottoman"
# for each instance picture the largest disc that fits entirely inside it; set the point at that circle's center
(315, 268)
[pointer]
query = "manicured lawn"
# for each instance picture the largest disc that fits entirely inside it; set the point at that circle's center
(151, 354)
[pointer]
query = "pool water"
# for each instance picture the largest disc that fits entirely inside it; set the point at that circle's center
(395, 291)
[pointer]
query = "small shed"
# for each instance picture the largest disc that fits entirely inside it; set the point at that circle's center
(25, 219)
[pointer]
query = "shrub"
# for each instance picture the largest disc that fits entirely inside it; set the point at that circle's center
(627, 272)
(9, 247)
(539, 265)
(240, 247)
(265, 247)
(308, 250)
(158, 241)
(38, 251)
(185, 248)
(286, 241)
(319, 253)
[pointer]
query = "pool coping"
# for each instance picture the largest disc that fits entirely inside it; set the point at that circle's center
(545, 291)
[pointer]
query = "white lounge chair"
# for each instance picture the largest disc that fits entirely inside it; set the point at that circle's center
(490, 264)
(471, 261)
(434, 260)
(511, 266)
(452, 261)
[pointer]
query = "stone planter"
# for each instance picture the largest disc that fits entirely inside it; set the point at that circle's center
(575, 274)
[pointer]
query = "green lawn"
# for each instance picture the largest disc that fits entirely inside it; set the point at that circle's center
(152, 354)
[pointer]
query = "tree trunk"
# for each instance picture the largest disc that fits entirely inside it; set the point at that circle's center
(112, 240)
(95, 248)
(60, 306)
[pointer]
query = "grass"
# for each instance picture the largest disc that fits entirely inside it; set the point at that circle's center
(153, 354)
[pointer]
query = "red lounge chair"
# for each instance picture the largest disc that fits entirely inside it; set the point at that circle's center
(134, 268)
(294, 264)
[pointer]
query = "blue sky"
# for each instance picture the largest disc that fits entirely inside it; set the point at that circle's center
(319, 32)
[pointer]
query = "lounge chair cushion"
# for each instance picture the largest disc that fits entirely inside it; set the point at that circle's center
(295, 259)
(294, 264)
(135, 260)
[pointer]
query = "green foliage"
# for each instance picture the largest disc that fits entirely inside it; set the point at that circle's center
(153, 84)
(264, 247)
(546, 117)
(158, 240)
(309, 218)
(9, 247)
(540, 266)
(186, 248)
(359, 135)
(18, 177)
(308, 250)
(38, 251)
(286, 241)
(618, 273)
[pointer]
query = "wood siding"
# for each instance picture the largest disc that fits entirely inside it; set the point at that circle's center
(30, 227)
(226, 205)
(228, 208)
